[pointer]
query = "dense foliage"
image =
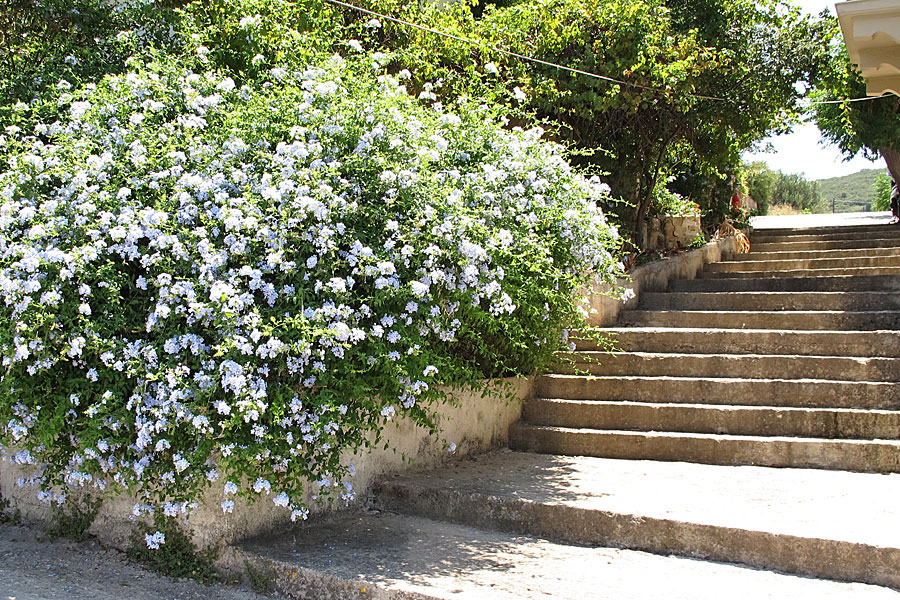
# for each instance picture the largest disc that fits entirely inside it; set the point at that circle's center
(214, 283)
(871, 127)
(771, 188)
(882, 192)
(702, 80)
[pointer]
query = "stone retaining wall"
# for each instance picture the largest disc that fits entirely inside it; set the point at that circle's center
(475, 423)
(655, 277)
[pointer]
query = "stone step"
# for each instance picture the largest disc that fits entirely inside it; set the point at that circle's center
(746, 341)
(871, 456)
(771, 301)
(845, 283)
(825, 236)
(884, 227)
(820, 523)
(746, 366)
(811, 254)
(756, 274)
(704, 418)
(384, 555)
(831, 320)
(792, 246)
(804, 263)
(798, 393)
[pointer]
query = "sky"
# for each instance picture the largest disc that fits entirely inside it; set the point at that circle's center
(801, 150)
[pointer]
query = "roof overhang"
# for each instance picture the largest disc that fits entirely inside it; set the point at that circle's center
(871, 30)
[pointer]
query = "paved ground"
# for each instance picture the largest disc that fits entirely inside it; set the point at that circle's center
(409, 557)
(823, 220)
(31, 569)
(836, 505)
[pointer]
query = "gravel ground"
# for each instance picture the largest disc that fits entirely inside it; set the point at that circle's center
(32, 569)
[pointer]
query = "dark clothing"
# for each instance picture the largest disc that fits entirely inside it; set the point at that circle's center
(895, 200)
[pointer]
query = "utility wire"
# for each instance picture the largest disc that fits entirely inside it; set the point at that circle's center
(555, 65)
(864, 99)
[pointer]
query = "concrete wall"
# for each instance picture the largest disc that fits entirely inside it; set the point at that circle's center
(475, 423)
(655, 277)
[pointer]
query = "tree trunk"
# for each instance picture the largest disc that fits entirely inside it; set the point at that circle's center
(891, 156)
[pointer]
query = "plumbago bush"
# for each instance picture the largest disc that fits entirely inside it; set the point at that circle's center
(212, 286)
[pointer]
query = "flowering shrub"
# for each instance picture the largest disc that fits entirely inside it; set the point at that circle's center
(206, 285)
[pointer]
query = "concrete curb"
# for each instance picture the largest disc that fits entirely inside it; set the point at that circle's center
(817, 557)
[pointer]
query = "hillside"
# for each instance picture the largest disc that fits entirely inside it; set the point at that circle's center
(857, 186)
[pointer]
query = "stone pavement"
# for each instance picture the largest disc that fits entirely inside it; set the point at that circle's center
(32, 569)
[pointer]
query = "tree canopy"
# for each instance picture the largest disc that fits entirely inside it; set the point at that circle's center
(868, 127)
(695, 82)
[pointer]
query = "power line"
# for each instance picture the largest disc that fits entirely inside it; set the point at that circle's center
(864, 99)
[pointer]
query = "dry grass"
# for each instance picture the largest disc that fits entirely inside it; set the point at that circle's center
(783, 209)
(727, 229)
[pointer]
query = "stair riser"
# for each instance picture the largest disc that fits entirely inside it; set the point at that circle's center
(737, 366)
(789, 246)
(797, 264)
(884, 227)
(769, 301)
(865, 321)
(773, 238)
(777, 452)
(791, 554)
(735, 341)
(878, 283)
(811, 254)
(732, 420)
(805, 273)
(293, 581)
(746, 392)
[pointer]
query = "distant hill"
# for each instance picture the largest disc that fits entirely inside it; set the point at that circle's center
(857, 186)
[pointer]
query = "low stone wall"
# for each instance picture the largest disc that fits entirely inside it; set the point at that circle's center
(668, 233)
(655, 277)
(475, 423)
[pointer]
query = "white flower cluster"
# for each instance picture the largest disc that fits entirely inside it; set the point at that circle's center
(201, 280)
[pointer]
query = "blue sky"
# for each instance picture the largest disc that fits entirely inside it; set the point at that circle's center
(802, 150)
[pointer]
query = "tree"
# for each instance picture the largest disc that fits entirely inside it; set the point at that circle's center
(882, 187)
(797, 191)
(762, 183)
(697, 81)
(870, 127)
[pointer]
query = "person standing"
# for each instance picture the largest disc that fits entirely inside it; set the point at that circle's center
(895, 202)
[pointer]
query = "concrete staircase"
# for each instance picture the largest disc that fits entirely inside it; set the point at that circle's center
(662, 453)
(783, 357)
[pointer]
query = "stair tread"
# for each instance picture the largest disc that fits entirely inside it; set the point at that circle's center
(767, 312)
(597, 353)
(722, 330)
(725, 407)
(747, 366)
(783, 501)
(780, 293)
(571, 377)
(823, 272)
(403, 556)
(711, 436)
